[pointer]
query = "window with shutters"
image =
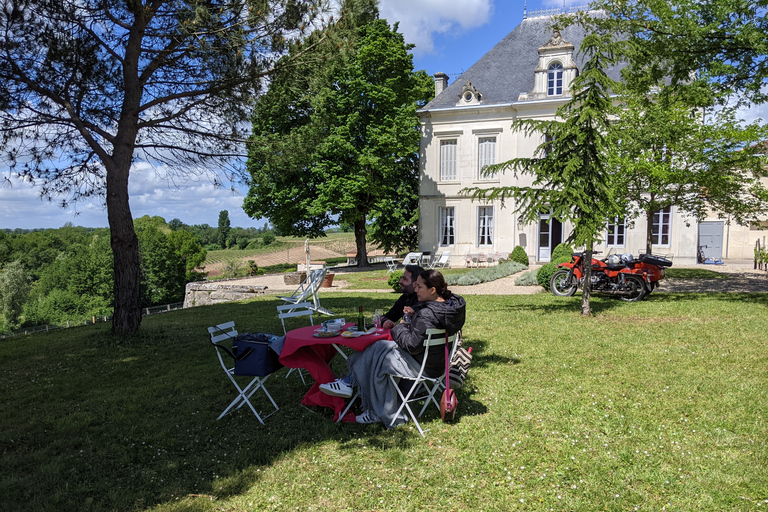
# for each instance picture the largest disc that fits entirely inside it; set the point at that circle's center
(486, 152)
(448, 160)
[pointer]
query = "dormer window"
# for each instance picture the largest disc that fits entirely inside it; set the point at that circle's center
(469, 95)
(555, 79)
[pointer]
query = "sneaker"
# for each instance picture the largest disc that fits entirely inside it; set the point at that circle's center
(367, 417)
(337, 388)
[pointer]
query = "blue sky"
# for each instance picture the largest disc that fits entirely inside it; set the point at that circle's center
(449, 38)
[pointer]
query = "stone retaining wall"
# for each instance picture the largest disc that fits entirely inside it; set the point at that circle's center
(204, 294)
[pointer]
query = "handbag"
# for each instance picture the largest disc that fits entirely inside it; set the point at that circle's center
(448, 402)
(460, 366)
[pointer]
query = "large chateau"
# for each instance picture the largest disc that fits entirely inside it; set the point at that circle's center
(467, 126)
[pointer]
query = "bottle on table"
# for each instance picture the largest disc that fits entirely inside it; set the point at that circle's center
(360, 319)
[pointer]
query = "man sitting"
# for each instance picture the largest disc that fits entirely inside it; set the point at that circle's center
(342, 387)
(408, 297)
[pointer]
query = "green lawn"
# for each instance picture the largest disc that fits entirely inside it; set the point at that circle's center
(657, 405)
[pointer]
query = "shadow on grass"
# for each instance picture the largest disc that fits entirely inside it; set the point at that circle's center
(130, 424)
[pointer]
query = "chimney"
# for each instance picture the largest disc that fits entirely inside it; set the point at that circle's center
(441, 82)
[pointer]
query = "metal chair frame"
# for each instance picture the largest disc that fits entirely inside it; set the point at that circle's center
(219, 334)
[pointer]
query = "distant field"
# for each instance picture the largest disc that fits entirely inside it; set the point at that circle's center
(286, 248)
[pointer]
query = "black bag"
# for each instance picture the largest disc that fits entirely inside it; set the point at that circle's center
(255, 353)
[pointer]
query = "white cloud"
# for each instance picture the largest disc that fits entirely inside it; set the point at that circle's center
(195, 202)
(420, 20)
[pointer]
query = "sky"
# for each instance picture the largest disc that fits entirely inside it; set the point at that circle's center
(449, 38)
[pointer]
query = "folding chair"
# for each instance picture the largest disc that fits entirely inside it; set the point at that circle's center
(423, 387)
(309, 289)
(227, 332)
(291, 311)
(412, 258)
(391, 264)
(443, 261)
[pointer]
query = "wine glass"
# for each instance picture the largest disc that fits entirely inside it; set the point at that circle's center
(378, 315)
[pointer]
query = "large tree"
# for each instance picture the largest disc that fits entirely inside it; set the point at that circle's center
(666, 152)
(87, 87)
(336, 141)
(570, 171)
(722, 41)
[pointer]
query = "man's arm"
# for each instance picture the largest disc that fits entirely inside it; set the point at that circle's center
(396, 312)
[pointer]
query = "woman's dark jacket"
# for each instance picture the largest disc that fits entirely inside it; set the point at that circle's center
(448, 315)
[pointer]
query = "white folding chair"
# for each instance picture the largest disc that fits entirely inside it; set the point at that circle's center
(219, 335)
(423, 387)
(391, 264)
(443, 261)
(292, 311)
(412, 258)
(309, 289)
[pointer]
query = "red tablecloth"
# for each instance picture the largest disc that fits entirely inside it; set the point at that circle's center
(303, 350)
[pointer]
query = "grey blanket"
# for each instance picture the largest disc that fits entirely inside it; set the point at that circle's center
(369, 370)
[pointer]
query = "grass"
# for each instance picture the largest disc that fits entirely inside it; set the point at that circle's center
(658, 405)
(695, 273)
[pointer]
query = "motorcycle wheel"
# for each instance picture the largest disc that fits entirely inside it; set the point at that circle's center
(636, 287)
(561, 285)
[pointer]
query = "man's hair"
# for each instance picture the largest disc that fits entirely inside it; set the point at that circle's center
(414, 270)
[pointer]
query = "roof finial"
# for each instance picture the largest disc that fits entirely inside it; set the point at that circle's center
(525, 9)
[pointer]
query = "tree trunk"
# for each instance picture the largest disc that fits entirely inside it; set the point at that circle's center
(360, 233)
(649, 232)
(586, 289)
(125, 250)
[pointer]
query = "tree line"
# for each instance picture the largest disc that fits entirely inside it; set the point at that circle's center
(55, 276)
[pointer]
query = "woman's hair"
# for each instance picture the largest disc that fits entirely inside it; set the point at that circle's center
(434, 279)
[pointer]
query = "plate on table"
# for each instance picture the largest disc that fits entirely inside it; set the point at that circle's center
(325, 334)
(357, 334)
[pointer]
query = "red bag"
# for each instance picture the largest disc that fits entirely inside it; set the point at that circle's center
(448, 402)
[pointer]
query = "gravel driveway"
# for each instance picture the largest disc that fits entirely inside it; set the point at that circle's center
(741, 277)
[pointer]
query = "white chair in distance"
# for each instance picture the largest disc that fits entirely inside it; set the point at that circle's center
(292, 311)
(424, 388)
(309, 289)
(391, 264)
(442, 261)
(412, 258)
(219, 335)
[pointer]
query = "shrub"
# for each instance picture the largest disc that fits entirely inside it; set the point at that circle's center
(527, 278)
(213, 247)
(253, 244)
(252, 269)
(561, 254)
(519, 255)
(268, 239)
(562, 250)
(394, 280)
(485, 275)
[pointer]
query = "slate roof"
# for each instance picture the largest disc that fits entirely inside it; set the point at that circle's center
(507, 69)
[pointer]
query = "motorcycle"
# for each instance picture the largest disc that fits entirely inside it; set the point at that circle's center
(622, 276)
(653, 266)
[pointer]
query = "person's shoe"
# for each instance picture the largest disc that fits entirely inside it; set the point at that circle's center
(367, 417)
(337, 388)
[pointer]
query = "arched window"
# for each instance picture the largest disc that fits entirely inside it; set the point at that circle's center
(555, 79)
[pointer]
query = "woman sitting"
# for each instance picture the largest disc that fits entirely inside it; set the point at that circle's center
(437, 308)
